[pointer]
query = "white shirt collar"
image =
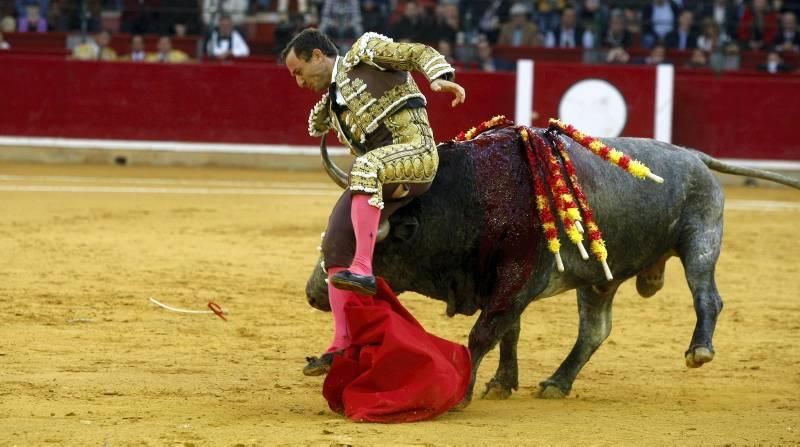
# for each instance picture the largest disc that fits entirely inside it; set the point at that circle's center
(335, 69)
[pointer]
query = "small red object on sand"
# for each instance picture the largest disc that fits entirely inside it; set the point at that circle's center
(394, 371)
(216, 309)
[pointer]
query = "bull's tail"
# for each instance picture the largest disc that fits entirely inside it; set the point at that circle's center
(719, 166)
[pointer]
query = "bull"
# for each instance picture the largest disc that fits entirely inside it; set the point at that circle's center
(474, 242)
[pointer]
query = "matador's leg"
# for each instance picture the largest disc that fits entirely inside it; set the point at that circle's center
(412, 158)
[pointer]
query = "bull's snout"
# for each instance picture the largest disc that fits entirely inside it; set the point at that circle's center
(317, 294)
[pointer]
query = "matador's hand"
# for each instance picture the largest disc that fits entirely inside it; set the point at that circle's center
(440, 85)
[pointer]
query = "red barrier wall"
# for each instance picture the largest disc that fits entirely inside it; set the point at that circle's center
(732, 116)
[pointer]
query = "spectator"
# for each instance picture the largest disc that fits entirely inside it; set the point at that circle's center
(183, 13)
(617, 55)
(226, 42)
(8, 24)
(67, 15)
(490, 15)
(758, 25)
(139, 16)
(214, 10)
(445, 23)
(684, 37)
(593, 17)
(633, 22)
(658, 55)
(774, 64)
(486, 61)
(96, 49)
(3, 44)
(698, 59)
(289, 25)
(137, 53)
(617, 34)
(341, 20)
(724, 14)
(711, 39)
(33, 20)
(166, 54)
(549, 12)
(568, 34)
(22, 5)
(788, 38)
(728, 59)
(373, 17)
(412, 27)
(445, 48)
(520, 32)
(658, 19)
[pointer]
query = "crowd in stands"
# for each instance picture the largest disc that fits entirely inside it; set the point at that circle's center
(467, 32)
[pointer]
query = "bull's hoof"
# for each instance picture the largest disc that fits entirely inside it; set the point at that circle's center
(698, 356)
(550, 390)
(496, 391)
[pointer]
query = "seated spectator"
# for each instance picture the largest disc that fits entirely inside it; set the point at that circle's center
(226, 42)
(774, 64)
(519, 31)
(727, 59)
(684, 37)
(214, 10)
(445, 48)
(341, 20)
(593, 17)
(711, 40)
(658, 55)
(698, 59)
(3, 44)
(486, 61)
(568, 34)
(373, 17)
(137, 53)
(617, 35)
(8, 24)
(140, 16)
(166, 54)
(758, 26)
(549, 13)
(617, 55)
(724, 14)
(445, 23)
(96, 49)
(788, 38)
(33, 20)
(489, 15)
(633, 22)
(413, 26)
(289, 25)
(658, 19)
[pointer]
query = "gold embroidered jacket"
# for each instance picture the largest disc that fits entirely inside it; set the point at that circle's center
(374, 79)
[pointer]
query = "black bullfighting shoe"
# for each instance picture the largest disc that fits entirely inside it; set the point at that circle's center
(318, 366)
(361, 284)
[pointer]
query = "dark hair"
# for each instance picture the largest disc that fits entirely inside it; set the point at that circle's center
(306, 41)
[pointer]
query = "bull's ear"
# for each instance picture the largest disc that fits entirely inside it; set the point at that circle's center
(404, 228)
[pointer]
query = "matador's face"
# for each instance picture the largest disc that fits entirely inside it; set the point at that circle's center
(313, 74)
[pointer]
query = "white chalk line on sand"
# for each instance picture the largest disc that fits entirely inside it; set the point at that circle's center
(176, 191)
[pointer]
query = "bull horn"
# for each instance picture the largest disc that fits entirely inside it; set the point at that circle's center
(337, 175)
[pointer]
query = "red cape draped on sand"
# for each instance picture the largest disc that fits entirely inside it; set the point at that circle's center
(394, 371)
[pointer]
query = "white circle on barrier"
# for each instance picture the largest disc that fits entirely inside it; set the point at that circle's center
(595, 107)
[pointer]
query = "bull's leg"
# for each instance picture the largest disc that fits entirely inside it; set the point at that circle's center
(507, 376)
(594, 310)
(699, 260)
(485, 335)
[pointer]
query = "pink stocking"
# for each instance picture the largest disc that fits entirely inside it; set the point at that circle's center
(365, 219)
(339, 299)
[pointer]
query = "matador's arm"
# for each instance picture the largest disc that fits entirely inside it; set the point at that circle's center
(382, 52)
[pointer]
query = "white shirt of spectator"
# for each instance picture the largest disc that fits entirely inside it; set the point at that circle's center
(217, 46)
(138, 56)
(663, 19)
(339, 97)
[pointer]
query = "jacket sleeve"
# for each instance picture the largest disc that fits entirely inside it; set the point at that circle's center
(384, 53)
(319, 122)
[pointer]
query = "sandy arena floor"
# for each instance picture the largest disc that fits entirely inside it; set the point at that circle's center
(88, 360)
